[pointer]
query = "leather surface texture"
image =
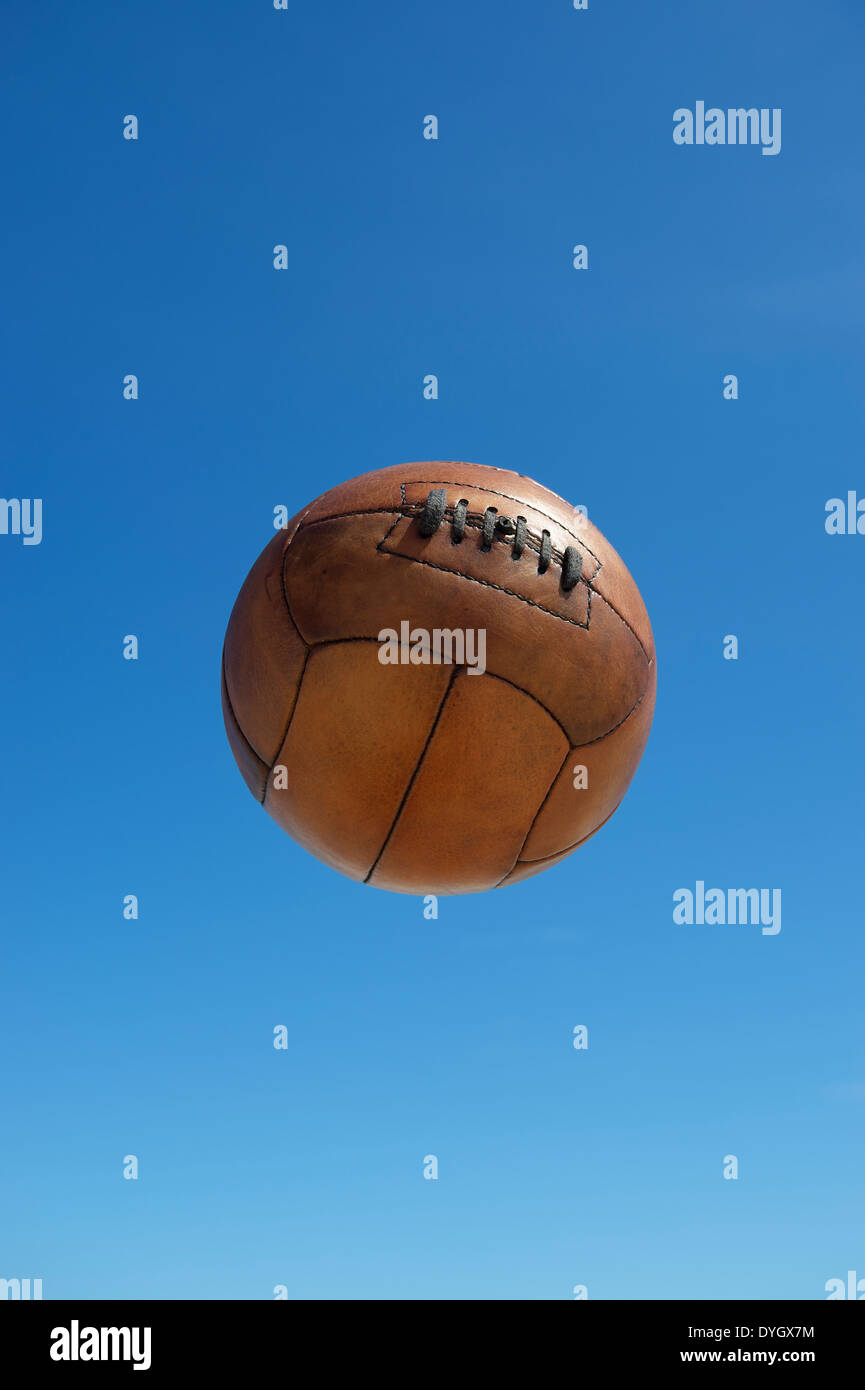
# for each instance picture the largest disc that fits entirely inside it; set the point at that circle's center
(425, 773)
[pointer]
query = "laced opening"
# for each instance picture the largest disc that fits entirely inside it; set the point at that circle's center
(435, 510)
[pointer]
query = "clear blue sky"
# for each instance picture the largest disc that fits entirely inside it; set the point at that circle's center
(409, 1037)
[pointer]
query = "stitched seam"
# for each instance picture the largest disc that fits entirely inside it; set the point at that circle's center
(417, 768)
(285, 597)
(290, 713)
(560, 853)
(631, 711)
(624, 620)
(488, 584)
(340, 516)
(396, 521)
(530, 545)
(556, 776)
(494, 492)
(574, 748)
(249, 747)
(473, 520)
(494, 675)
(458, 574)
(575, 845)
(306, 656)
(265, 764)
(444, 482)
(523, 691)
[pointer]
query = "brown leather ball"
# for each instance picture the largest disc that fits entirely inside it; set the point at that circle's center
(439, 678)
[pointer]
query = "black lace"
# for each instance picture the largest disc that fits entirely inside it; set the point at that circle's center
(435, 510)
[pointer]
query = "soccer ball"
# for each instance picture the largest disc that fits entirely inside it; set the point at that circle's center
(439, 678)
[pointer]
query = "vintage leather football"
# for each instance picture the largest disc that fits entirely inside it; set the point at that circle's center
(439, 678)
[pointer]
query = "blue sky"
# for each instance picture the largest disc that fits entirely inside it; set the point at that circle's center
(257, 388)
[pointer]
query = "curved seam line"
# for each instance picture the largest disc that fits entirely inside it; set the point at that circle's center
(634, 707)
(492, 491)
(340, 516)
(488, 584)
(621, 618)
(547, 794)
(561, 853)
(450, 482)
(399, 516)
(237, 726)
(285, 594)
(335, 642)
(523, 691)
(574, 748)
(416, 770)
(473, 520)
(307, 655)
(265, 764)
(576, 843)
